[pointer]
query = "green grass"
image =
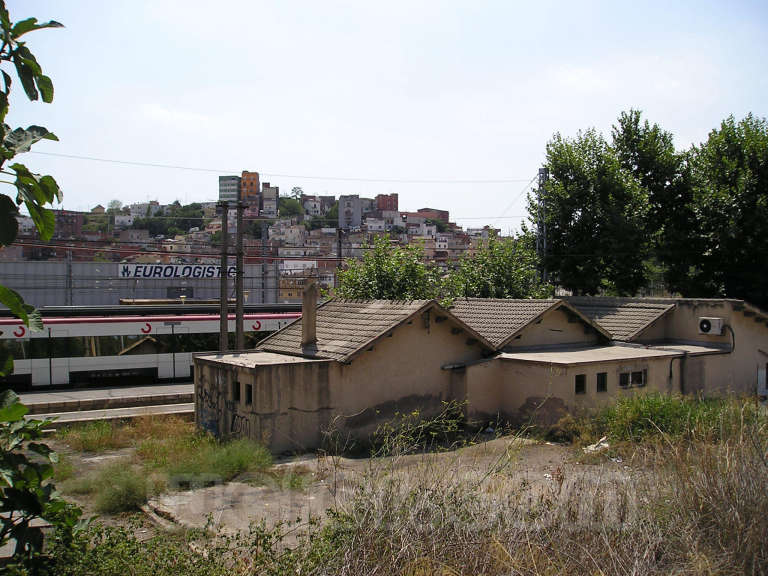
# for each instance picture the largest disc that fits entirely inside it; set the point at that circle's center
(639, 417)
(643, 417)
(169, 452)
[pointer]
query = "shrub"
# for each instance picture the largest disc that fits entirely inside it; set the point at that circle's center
(120, 488)
(637, 417)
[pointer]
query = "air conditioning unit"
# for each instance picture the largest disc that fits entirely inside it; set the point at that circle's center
(711, 326)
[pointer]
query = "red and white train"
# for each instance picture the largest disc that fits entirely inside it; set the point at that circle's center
(107, 349)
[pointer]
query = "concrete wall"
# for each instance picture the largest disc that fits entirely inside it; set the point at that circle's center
(289, 408)
(294, 402)
(712, 375)
(555, 328)
(54, 283)
(521, 392)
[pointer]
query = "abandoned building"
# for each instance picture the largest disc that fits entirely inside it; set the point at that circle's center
(351, 365)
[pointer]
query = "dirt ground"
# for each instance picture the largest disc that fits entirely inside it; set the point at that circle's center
(529, 468)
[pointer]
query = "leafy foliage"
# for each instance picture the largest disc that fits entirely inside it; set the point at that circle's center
(390, 272)
(616, 212)
(177, 219)
(595, 216)
(501, 268)
(288, 206)
(26, 493)
(32, 190)
(730, 213)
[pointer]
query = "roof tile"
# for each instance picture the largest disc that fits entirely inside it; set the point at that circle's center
(343, 328)
(623, 318)
(498, 319)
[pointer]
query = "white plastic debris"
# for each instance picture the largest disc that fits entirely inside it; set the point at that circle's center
(598, 446)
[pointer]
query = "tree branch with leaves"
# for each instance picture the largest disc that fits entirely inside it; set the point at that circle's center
(31, 190)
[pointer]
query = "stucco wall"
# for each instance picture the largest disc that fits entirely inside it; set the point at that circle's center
(555, 328)
(718, 374)
(402, 373)
(289, 407)
(294, 403)
(522, 392)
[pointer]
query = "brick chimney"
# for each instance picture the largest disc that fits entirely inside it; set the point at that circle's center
(309, 314)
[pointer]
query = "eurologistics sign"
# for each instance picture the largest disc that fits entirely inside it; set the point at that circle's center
(172, 271)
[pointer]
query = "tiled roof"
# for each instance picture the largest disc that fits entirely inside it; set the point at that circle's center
(499, 319)
(623, 318)
(344, 327)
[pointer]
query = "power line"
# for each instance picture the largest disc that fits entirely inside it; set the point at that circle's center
(280, 175)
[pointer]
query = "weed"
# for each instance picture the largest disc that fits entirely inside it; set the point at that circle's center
(120, 488)
(226, 460)
(93, 436)
(63, 470)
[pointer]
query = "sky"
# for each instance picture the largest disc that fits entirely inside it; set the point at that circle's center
(449, 104)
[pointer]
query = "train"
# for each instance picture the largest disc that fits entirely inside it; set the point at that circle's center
(119, 345)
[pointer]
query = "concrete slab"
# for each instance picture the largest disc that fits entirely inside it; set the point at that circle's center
(51, 401)
(567, 356)
(185, 409)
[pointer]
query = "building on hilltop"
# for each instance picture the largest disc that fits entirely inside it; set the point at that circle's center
(269, 200)
(386, 202)
(350, 212)
(250, 188)
(434, 214)
(229, 189)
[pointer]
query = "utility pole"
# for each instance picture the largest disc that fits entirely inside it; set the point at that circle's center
(541, 228)
(264, 284)
(239, 334)
(339, 257)
(223, 297)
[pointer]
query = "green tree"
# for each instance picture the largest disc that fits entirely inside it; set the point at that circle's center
(31, 190)
(649, 154)
(596, 215)
(288, 207)
(26, 492)
(730, 204)
(114, 206)
(390, 272)
(501, 268)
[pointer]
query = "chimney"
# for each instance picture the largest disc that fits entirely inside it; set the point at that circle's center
(309, 314)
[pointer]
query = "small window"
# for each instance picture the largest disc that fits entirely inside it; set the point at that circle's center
(638, 378)
(248, 394)
(624, 379)
(602, 382)
(236, 391)
(581, 384)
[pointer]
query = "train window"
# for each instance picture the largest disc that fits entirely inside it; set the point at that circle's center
(236, 391)
(248, 394)
(19, 349)
(38, 348)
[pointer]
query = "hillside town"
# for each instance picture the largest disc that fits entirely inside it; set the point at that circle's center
(296, 235)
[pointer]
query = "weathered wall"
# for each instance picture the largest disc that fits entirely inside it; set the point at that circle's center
(403, 373)
(289, 404)
(295, 401)
(521, 392)
(555, 328)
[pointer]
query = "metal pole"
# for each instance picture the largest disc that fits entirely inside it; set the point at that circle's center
(338, 256)
(223, 299)
(543, 177)
(239, 333)
(264, 285)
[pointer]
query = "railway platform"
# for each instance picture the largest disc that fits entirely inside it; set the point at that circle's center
(87, 404)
